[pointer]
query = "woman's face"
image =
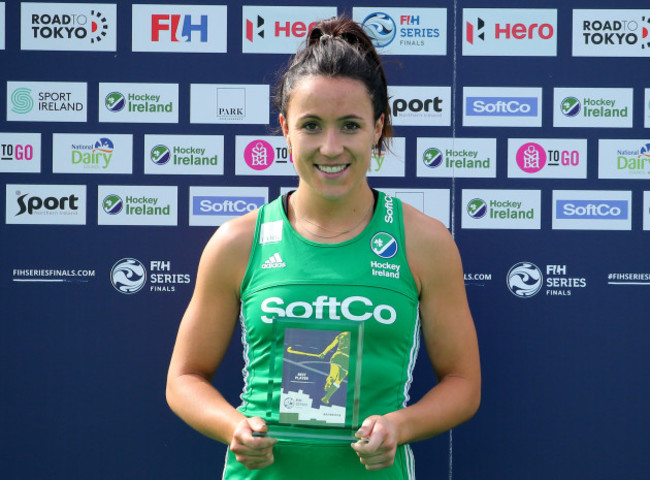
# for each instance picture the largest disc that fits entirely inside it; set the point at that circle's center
(331, 130)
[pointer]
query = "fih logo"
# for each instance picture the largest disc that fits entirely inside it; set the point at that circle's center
(477, 208)
(22, 101)
(128, 276)
(115, 101)
(531, 157)
(381, 28)
(383, 245)
(479, 33)
(69, 26)
(160, 154)
(570, 107)
(433, 157)
(252, 29)
(113, 204)
(524, 279)
(178, 33)
(259, 155)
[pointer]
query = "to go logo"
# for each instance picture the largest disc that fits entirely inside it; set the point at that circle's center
(570, 107)
(531, 157)
(477, 208)
(524, 279)
(113, 204)
(22, 101)
(432, 157)
(128, 276)
(160, 154)
(259, 155)
(115, 101)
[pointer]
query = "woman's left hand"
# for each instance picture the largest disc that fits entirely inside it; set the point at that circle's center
(377, 442)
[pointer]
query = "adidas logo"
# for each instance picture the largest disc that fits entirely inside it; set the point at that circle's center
(274, 261)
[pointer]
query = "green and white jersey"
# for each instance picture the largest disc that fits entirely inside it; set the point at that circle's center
(365, 279)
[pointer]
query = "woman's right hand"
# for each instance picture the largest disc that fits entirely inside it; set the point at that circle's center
(253, 452)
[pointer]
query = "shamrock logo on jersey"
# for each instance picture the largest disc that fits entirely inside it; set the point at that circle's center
(383, 245)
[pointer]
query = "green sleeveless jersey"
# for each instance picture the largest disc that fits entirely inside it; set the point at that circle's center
(365, 279)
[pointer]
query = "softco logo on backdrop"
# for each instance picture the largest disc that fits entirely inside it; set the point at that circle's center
(46, 204)
(20, 152)
(405, 31)
(547, 158)
(68, 26)
(501, 209)
(592, 210)
(138, 102)
(502, 107)
(179, 28)
(229, 103)
(592, 107)
(611, 33)
(46, 102)
(278, 29)
(212, 206)
(183, 154)
(627, 159)
(510, 31)
(457, 157)
(92, 153)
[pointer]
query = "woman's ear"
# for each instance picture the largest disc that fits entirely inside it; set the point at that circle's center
(284, 125)
(379, 128)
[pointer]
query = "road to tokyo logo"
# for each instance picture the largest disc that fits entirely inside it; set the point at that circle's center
(381, 28)
(22, 101)
(128, 276)
(524, 279)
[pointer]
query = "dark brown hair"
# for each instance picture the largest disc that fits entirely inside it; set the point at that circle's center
(339, 47)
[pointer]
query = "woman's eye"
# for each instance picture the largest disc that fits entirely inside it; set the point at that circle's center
(351, 126)
(310, 126)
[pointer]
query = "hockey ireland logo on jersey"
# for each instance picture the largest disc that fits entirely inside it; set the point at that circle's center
(383, 245)
(356, 308)
(274, 261)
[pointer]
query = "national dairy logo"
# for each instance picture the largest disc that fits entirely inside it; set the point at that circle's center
(509, 32)
(179, 28)
(92, 153)
(502, 107)
(611, 33)
(625, 159)
(46, 101)
(593, 107)
(405, 30)
(501, 209)
(384, 245)
(46, 204)
(137, 205)
(273, 29)
(68, 26)
(268, 155)
(213, 206)
(138, 102)
(229, 103)
(457, 157)
(389, 162)
(20, 152)
(524, 280)
(592, 210)
(183, 154)
(547, 158)
(425, 106)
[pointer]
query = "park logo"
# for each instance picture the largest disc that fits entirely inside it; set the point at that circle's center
(273, 29)
(183, 154)
(593, 107)
(20, 152)
(456, 157)
(229, 103)
(92, 153)
(406, 30)
(137, 205)
(68, 26)
(179, 28)
(46, 204)
(46, 102)
(424, 106)
(502, 107)
(611, 33)
(501, 209)
(547, 158)
(138, 102)
(509, 32)
(625, 159)
(592, 210)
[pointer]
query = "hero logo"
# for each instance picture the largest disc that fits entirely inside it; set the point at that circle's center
(282, 29)
(355, 308)
(180, 27)
(510, 31)
(213, 205)
(592, 209)
(502, 106)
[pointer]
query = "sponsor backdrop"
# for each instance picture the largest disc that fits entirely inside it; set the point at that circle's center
(130, 131)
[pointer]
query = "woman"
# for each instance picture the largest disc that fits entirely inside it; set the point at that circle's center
(348, 252)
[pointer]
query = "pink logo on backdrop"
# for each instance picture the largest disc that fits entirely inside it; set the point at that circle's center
(531, 157)
(259, 155)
